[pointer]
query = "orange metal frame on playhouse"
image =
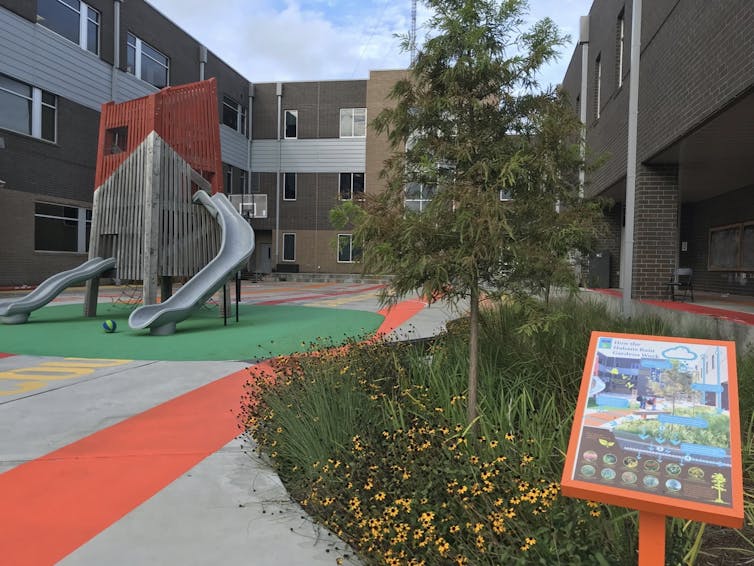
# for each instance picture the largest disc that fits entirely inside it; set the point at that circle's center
(185, 116)
(654, 507)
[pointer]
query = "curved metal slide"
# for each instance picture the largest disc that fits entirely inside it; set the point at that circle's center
(17, 311)
(236, 247)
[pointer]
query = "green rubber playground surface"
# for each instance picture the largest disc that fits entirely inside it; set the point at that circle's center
(261, 332)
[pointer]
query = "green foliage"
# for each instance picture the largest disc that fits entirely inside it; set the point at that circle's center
(468, 124)
(716, 433)
(374, 443)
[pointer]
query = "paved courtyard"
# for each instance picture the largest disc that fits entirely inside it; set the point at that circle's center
(119, 460)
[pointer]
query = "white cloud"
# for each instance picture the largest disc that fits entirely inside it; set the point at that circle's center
(284, 40)
(679, 353)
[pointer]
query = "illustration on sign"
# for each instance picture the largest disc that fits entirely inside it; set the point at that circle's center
(657, 420)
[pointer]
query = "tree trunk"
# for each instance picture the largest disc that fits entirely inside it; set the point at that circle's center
(471, 410)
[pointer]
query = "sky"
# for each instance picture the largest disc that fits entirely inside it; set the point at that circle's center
(300, 40)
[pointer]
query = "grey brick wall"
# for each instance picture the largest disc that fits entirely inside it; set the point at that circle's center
(655, 230)
(611, 241)
(318, 105)
(697, 57)
(693, 66)
(20, 263)
(264, 112)
(23, 8)
(229, 82)
(64, 169)
(151, 26)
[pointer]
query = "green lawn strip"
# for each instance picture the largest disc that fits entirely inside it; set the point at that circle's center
(262, 331)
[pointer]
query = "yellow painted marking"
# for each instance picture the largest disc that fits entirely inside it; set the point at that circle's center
(36, 377)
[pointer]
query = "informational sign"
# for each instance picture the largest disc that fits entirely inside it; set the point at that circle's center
(657, 428)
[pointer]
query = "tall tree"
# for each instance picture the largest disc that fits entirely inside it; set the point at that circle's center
(481, 160)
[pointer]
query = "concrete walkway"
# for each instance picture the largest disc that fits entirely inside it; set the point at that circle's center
(125, 462)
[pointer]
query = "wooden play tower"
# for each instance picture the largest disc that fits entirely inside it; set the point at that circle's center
(154, 153)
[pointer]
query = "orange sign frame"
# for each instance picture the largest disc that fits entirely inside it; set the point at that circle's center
(582, 477)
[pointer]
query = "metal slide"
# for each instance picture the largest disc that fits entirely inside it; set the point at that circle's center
(236, 248)
(17, 311)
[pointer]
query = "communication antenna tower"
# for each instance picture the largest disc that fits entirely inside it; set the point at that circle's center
(412, 36)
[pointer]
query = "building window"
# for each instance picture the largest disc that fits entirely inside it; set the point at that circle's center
(60, 228)
(289, 186)
(234, 115)
(347, 252)
(353, 122)
(146, 62)
(597, 86)
(418, 196)
(228, 179)
(289, 247)
(621, 47)
(27, 109)
(74, 20)
(351, 186)
(291, 124)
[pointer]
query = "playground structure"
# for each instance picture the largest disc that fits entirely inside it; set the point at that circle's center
(17, 311)
(157, 156)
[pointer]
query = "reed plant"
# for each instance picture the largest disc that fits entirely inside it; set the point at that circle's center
(373, 441)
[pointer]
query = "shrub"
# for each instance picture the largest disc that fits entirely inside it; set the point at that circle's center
(372, 440)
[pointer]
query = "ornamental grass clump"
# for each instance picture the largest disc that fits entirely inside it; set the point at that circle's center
(373, 441)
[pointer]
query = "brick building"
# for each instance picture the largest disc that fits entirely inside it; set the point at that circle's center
(303, 145)
(694, 180)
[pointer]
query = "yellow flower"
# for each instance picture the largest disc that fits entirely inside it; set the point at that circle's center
(426, 518)
(480, 543)
(509, 436)
(530, 541)
(442, 546)
(379, 496)
(454, 529)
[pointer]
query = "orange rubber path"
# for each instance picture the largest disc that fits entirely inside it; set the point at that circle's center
(54, 504)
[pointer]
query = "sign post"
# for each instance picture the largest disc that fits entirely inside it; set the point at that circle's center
(656, 429)
(651, 539)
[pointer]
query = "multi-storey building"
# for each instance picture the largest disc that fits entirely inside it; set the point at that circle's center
(312, 149)
(303, 145)
(694, 189)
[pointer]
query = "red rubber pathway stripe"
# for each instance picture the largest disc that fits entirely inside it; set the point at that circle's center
(398, 314)
(54, 504)
(3, 355)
